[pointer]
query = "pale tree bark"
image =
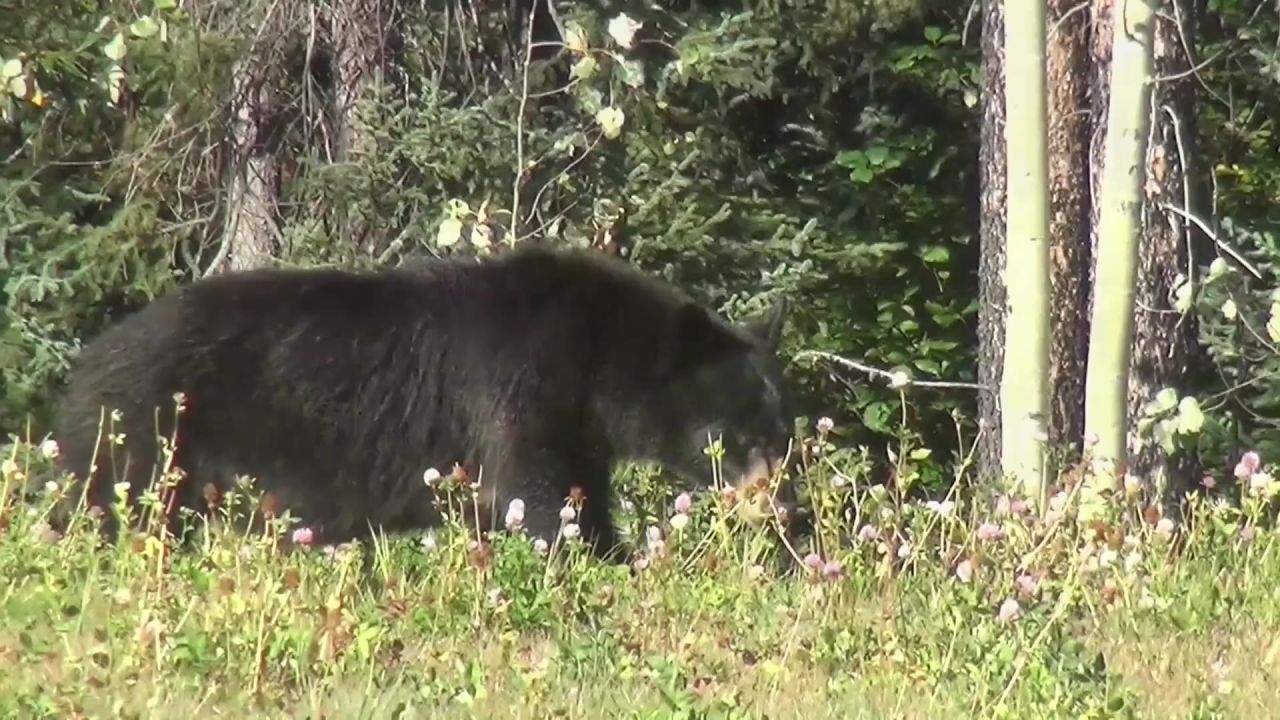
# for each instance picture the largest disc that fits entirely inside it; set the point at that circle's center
(1119, 232)
(1024, 383)
(991, 290)
(365, 35)
(1070, 256)
(1165, 347)
(251, 235)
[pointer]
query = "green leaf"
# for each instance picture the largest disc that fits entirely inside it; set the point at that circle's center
(851, 159)
(585, 68)
(1190, 417)
(936, 255)
(862, 175)
(449, 233)
(632, 73)
(876, 154)
(875, 417)
(932, 33)
(12, 68)
(165, 4)
(144, 27)
(1166, 399)
(116, 48)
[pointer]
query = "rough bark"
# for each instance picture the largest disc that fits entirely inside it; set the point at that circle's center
(252, 236)
(1165, 347)
(366, 51)
(1069, 220)
(991, 310)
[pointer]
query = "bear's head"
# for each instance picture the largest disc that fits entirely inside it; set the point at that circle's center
(718, 382)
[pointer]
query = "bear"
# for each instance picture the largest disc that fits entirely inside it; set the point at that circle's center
(534, 369)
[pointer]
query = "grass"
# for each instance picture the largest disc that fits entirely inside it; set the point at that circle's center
(969, 607)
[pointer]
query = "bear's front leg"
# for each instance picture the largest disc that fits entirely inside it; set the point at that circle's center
(548, 477)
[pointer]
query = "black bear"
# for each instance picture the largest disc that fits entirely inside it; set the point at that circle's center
(534, 369)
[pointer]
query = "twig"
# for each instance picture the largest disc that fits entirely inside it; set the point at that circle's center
(896, 378)
(1213, 236)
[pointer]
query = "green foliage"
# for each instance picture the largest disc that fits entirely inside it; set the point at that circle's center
(1238, 116)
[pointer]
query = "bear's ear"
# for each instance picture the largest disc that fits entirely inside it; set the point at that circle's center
(697, 337)
(768, 327)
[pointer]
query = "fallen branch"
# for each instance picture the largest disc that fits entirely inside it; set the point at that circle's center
(896, 379)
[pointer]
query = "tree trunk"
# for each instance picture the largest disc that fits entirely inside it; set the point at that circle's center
(251, 236)
(1024, 381)
(1165, 343)
(1119, 231)
(991, 309)
(366, 49)
(1069, 221)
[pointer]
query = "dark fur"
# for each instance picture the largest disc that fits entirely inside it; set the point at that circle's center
(336, 390)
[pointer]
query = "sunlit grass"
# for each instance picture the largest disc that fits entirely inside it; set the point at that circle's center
(969, 606)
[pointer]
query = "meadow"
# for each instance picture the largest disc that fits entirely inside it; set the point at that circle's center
(974, 605)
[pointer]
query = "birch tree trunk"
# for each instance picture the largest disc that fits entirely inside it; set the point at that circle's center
(1119, 231)
(1024, 381)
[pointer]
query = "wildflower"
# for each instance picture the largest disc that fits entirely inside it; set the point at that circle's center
(428, 541)
(623, 30)
(9, 468)
(964, 571)
(1010, 610)
(1165, 527)
(540, 546)
(825, 425)
(868, 533)
(832, 570)
(1028, 585)
(49, 449)
(1132, 561)
(840, 480)
(567, 513)
(1059, 501)
(1003, 506)
(494, 597)
(678, 521)
(515, 514)
(898, 379)
(755, 572)
(683, 503)
(1261, 483)
(878, 492)
(1247, 533)
(150, 631)
(990, 532)
(51, 487)
(626, 505)
(1249, 464)
(1107, 557)
(571, 531)
(1132, 485)
(431, 477)
(944, 508)
(303, 536)
(640, 563)
(1208, 482)
(904, 550)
